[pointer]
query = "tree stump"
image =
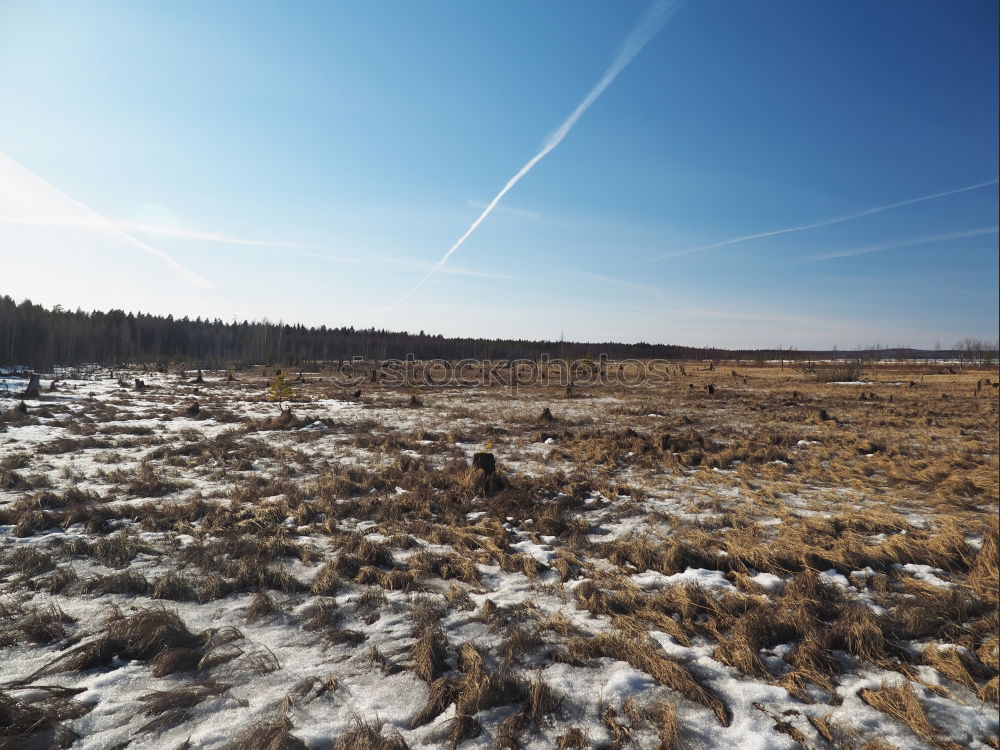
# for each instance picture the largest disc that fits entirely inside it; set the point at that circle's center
(484, 478)
(193, 409)
(199, 378)
(485, 461)
(33, 389)
(140, 385)
(711, 389)
(547, 415)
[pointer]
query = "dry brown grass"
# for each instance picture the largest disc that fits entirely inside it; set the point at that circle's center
(644, 654)
(270, 734)
(428, 653)
(902, 703)
(39, 723)
(365, 736)
(885, 477)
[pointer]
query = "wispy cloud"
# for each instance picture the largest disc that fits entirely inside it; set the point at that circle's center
(179, 232)
(191, 233)
(718, 313)
(618, 282)
(826, 222)
(654, 19)
(31, 200)
(523, 213)
(910, 242)
(382, 263)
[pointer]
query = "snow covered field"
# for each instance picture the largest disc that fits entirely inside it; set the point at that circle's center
(778, 564)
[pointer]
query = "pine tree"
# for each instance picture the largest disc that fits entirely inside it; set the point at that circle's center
(280, 390)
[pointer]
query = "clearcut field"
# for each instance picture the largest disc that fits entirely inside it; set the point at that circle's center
(782, 563)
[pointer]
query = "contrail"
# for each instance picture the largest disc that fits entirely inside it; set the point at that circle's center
(47, 205)
(655, 18)
(827, 222)
(926, 240)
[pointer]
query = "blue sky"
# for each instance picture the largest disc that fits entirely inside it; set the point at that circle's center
(311, 162)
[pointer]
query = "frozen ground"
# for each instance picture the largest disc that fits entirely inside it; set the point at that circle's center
(667, 568)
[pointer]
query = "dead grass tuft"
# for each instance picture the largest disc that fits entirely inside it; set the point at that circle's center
(645, 654)
(38, 724)
(159, 701)
(364, 736)
(428, 653)
(153, 635)
(261, 605)
(40, 625)
(270, 734)
(574, 739)
(902, 703)
(463, 727)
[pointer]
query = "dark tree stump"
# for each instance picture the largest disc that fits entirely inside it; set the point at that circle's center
(547, 415)
(485, 461)
(193, 409)
(34, 387)
(482, 477)
(199, 378)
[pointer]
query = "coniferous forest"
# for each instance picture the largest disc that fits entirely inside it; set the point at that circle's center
(38, 337)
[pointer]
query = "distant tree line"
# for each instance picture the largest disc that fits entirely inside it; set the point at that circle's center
(38, 337)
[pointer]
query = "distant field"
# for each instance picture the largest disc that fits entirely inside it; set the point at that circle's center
(779, 563)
